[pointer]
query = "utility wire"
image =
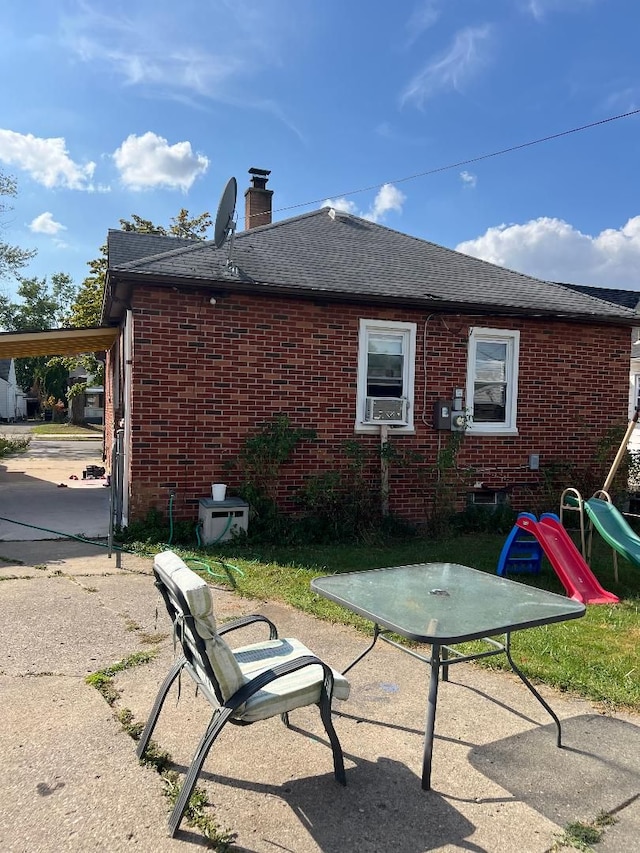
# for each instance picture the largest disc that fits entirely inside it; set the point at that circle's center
(466, 162)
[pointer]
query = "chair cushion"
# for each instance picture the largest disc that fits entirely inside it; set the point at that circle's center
(291, 691)
(235, 668)
(197, 594)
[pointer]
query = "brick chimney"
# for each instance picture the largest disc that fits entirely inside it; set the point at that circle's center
(257, 200)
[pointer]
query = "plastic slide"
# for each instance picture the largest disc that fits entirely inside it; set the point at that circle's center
(614, 529)
(567, 561)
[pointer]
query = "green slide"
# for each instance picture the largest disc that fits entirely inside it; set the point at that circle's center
(614, 529)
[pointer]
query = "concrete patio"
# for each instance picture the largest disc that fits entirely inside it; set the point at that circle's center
(72, 782)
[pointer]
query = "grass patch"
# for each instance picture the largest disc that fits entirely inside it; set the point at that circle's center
(152, 638)
(102, 680)
(68, 430)
(580, 835)
(594, 657)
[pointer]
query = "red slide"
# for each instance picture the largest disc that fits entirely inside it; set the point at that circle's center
(567, 561)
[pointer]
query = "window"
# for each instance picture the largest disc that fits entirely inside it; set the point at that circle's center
(386, 363)
(492, 380)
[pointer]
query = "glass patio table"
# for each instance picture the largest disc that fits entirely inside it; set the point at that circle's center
(442, 605)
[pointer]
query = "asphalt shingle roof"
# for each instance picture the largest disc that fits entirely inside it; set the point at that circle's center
(347, 257)
(627, 298)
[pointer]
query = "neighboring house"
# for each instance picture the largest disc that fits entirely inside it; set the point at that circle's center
(361, 333)
(13, 400)
(93, 396)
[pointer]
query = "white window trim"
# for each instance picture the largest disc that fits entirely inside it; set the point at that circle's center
(512, 339)
(409, 330)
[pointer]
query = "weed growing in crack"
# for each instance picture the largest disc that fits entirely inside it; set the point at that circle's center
(152, 638)
(220, 840)
(581, 834)
(102, 680)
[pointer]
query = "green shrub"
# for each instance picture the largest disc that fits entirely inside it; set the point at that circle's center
(13, 445)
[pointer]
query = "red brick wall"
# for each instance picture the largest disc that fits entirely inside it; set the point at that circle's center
(206, 376)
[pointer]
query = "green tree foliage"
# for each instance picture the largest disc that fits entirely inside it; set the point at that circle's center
(85, 310)
(87, 307)
(182, 226)
(42, 305)
(190, 229)
(12, 258)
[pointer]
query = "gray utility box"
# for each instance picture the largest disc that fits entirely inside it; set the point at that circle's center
(219, 520)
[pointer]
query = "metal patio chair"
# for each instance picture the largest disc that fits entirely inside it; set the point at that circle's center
(244, 685)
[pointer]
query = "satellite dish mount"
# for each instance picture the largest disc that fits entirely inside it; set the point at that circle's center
(225, 225)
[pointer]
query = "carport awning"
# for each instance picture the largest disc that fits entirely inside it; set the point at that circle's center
(56, 342)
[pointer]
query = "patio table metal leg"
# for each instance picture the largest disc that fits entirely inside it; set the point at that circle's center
(445, 665)
(376, 634)
(431, 717)
(532, 689)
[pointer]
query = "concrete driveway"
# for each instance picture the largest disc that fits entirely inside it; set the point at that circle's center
(43, 494)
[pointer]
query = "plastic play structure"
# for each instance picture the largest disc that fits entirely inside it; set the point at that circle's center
(609, 522)
(568, 563)
(521, 552)
(603, 516)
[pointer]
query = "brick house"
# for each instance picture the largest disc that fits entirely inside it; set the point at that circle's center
(360, 333)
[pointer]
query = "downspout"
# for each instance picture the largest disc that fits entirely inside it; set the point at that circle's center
(127, 394)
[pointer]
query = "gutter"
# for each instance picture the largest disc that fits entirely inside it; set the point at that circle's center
(246, 285)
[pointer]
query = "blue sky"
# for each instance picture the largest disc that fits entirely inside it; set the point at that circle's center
(114, 108)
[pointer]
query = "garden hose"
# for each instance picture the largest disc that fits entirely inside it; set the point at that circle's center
(229, 568)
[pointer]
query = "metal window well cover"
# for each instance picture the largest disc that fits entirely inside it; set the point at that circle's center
(221, 519)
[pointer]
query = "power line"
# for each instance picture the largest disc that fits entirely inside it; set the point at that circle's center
(466, 162)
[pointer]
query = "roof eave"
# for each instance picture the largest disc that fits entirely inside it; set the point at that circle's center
(119, 285)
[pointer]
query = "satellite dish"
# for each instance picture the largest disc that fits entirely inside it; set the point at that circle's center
(226, 209)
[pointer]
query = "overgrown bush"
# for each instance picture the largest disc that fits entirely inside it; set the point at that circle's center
(158, 528)
(13, 445)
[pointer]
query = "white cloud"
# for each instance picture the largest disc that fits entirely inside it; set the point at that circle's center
(387, 198)
(46, 224)
(47, 161)
(453, 68)
(341, 204)
(468, 179)
(149, 161)
(424, 16)
(554, 250)
(540, 8)
(182, 52)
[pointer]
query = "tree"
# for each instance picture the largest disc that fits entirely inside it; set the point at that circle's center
(181, 226)
(43, 306)
(12, 258)
(87, 307)
(190, 229)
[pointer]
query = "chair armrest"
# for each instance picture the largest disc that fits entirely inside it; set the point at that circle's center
(269, 675)
(249, 620)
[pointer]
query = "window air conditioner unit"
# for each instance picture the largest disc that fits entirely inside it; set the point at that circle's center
(385, 410)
